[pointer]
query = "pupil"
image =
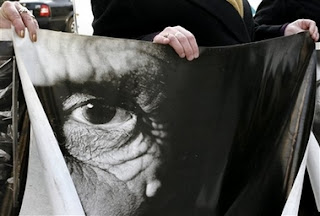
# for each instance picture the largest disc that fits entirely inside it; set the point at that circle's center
(97, 113)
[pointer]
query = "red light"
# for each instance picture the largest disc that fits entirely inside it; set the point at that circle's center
(44, 10)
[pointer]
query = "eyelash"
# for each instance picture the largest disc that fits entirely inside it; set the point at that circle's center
(97, 112)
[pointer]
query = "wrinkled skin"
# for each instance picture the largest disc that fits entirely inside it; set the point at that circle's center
(106, 110)
(115, 164)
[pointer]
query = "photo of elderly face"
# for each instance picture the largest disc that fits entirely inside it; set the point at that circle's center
(112, 128)
(144, 132)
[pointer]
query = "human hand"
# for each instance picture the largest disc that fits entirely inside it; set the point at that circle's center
(181, 40)
(303, 25)
(13, 13)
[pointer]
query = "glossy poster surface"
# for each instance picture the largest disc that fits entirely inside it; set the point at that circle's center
(144, 132)
(6, 139)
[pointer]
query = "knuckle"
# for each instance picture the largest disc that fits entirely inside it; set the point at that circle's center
(168, 28)
(182, 39)
(6, 3)
(17, 4)
(190, 37)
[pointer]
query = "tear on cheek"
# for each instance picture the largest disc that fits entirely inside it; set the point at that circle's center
(152, 188)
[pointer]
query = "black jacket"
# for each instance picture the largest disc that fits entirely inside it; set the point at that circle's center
(275, 12)
(213, 22)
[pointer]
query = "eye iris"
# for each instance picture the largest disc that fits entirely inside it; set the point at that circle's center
(97, 113)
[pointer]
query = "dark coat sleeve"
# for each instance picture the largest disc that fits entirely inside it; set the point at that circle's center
(263, 32)
(268, 19)
(278, 12)
(273, 12)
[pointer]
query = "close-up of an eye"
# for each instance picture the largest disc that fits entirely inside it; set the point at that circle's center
(92, 111)
(96, 112)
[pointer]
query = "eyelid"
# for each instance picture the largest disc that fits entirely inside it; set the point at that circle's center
(76, 100)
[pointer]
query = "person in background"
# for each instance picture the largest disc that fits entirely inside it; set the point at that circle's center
(182, 24)
(278, 12)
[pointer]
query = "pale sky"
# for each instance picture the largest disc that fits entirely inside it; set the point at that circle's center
(254, 3)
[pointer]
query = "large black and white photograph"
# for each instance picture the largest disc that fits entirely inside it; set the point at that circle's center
(144, 132)
(152, 108)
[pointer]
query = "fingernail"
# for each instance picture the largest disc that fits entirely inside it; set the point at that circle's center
(22, 33)
(182, 55)
(34, 37)
(190, 58)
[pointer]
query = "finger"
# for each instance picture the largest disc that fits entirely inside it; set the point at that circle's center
(315, 35)
(11, 13)
(192, 41)
(161, 39)
(30, 22)
(313, 31)
(4, 22)
(176, 45)
(184, 42)
(167, 38)
(310, 25)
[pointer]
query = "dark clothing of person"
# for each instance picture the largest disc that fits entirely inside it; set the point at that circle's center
(213, 22)
(275, 12)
